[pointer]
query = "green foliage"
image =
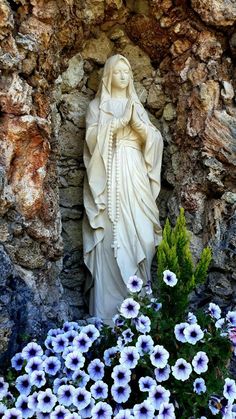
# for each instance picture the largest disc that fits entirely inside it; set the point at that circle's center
(174, 254)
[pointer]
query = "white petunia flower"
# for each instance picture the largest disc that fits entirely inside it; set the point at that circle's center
(169, 278)
(181, 370)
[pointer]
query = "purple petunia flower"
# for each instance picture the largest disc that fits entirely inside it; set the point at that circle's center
(169, 278)
(99, 390)
(68, 326)
(124, 414)
(120, 393)
(81, 398)
(181, 370)
(179, 332)
(65, 394)
(118, 320)
(91, 331)
(231, 318)
(33, 401)
(193, 333)
(59, 343)
(200, 362)
(146, 383)
(158, 395)
(229, 389)
(129, 308)
(38, 379)
(167, 411)
(82, 342)
(22, 405)
(121, 375)
(134, 284)
(162, 374)
(60, 412)
(86, 412)
(17, 361)
(34, 364)
(214, 311)
(51, 365)
(73, 415)
(143, 410)
(127, 335)
(31, 350)
(101, 410)
(199, 386)
(74, 360)
(96, 370)
(109, 355)
(129, 357)
(191, 318)
(81, 378)
(143, 324)
(46, 400)
(12, 414)
(159, 357)
(23, 384)
(145, 344)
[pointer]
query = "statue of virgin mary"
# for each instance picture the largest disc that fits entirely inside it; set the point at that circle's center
(122, 156)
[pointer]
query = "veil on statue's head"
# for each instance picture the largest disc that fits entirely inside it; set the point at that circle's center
(104, 90)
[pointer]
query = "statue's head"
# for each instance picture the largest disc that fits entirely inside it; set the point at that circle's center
(117, 73)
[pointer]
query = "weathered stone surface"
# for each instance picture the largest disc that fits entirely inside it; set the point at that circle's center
(71, 140)
(6, 267)
(74, 73)
(98, 49)
(139, 61)
(73, 107)
(15, 95)
(25, 152)
(169, 112)
(219, 285)
(156, 98)
(71, 196)
(216, 12)
(72, 235)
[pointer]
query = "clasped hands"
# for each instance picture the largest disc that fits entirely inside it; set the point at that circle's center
(130, 117)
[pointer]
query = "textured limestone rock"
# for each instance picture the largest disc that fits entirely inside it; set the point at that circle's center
(25, 160)
(98, 49)
(15, 95)
(216, 12)
(73, 75)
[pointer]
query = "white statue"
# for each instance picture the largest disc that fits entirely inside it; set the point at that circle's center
(122, 155)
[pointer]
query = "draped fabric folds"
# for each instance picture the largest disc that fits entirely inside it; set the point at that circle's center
(135, 168)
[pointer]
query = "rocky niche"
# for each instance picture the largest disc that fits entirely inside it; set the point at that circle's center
(51, 57)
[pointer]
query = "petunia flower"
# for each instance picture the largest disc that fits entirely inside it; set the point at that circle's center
(199, 386)
(96, 369)
(129, 308)
(158, 395)
(159, 356)
(101, 410)
(193, 333)
(181, 370)
(169, 278)
(144, 410)
(134, 284)
(200, 362)
(229, 389)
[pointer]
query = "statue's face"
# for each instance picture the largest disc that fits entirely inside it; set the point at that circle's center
(120, 75)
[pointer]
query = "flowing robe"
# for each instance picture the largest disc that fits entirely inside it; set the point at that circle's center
(138, 228)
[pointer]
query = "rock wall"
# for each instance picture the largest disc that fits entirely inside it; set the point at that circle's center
(51, 57)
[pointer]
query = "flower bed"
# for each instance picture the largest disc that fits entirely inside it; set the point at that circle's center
(130, 370)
